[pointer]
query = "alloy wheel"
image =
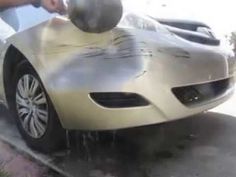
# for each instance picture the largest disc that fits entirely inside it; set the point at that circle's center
(32, 106)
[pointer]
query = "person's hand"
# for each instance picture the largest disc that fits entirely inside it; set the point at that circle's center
(54, 6)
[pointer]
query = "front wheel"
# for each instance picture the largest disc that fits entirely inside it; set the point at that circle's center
(35, 116)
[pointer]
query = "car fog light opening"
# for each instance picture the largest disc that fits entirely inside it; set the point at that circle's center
(119, 99)
(197, 94)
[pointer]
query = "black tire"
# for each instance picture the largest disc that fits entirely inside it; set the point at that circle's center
(54, 137)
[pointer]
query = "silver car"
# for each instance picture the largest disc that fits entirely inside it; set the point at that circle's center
(55, 76)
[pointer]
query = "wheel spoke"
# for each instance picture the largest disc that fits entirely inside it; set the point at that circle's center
(21, 90)
(22, 111)
(42, 115)
(26, 84)
(32, 128)
(33, 87)
(26, 122)
(39, 126)
(40, 99)
(20, 101)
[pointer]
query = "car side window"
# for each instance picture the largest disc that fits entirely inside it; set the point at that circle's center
(30, 16)
(22, 18)
(10, 17)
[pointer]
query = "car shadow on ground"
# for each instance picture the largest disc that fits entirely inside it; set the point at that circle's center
(202, 145)
(191, 147)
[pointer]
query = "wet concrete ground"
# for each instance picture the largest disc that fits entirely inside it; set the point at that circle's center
(14, 164)
(203, 145)
(200, 146)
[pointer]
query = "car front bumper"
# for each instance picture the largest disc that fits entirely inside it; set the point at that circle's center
(73, 64)
(151, 72)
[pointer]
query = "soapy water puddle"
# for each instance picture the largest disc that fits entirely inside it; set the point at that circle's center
(120, 153)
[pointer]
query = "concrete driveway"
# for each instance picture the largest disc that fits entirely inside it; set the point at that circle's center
(200, 146)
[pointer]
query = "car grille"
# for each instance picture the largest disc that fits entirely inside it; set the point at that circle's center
(199, 39)
(186, 25)
(197, 94)
(119, 100)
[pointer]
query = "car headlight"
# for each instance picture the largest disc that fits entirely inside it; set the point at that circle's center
(206, 31)
(138, 22)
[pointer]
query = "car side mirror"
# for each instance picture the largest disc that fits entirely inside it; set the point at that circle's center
(95, 16)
